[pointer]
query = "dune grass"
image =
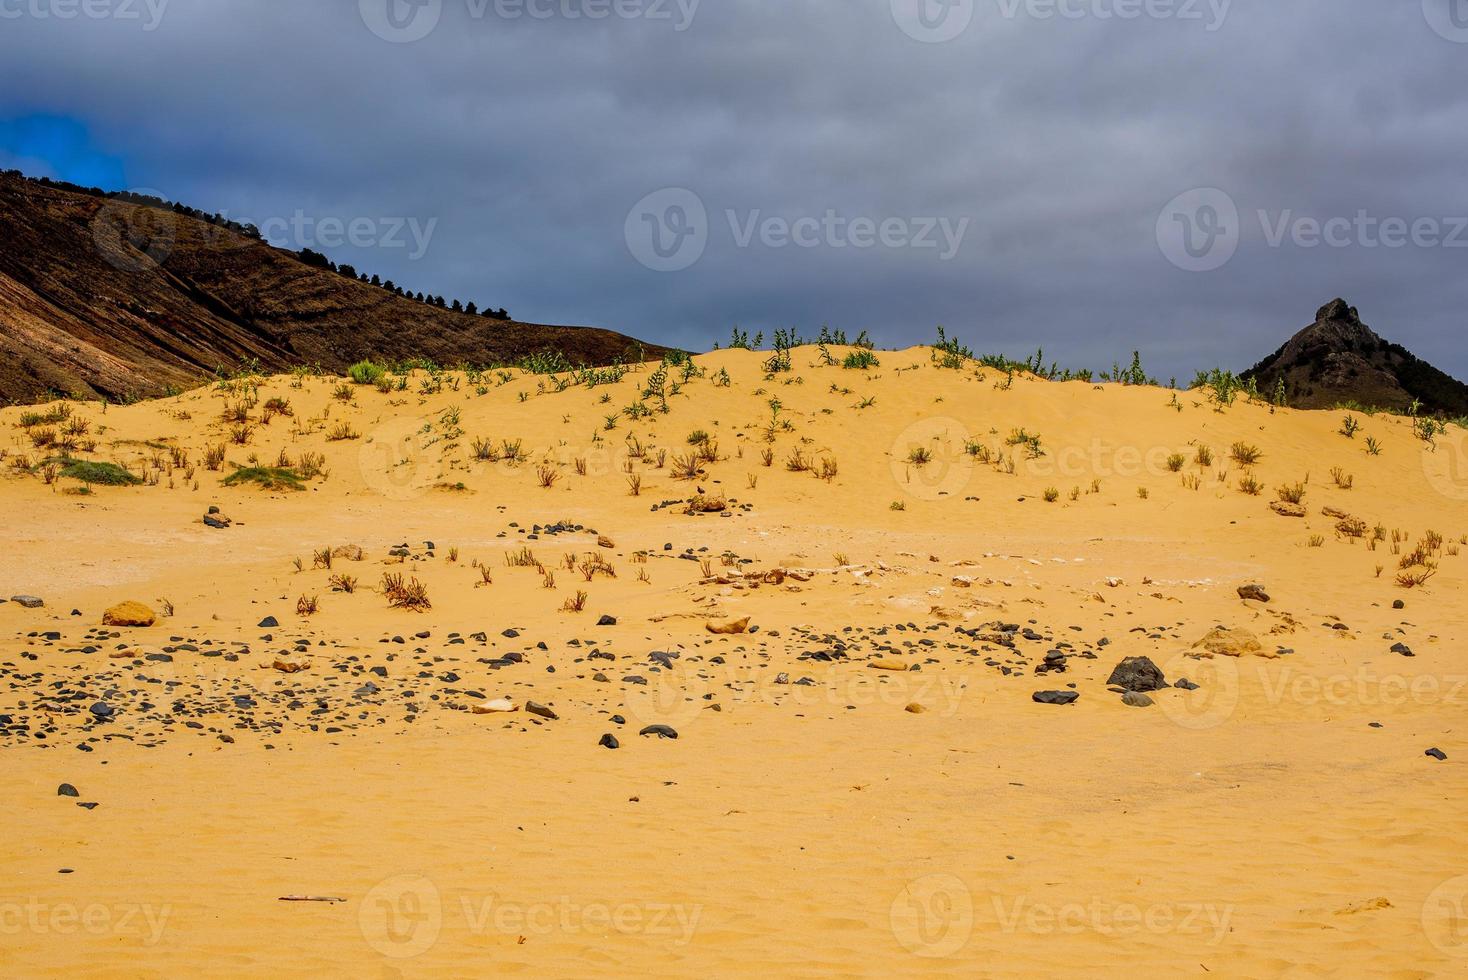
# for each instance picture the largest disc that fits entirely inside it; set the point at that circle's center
(103, 474)
(266, 477)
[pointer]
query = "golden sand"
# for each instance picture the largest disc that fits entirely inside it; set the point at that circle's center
(816, 814)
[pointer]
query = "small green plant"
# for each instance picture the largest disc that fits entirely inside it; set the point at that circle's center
(1291, 493)
(266, 477)
(1373, 448)
(1051, 495)
(104, 474)
(1245, 454)
(366, 373)
(1175, 462)
(1350, 425)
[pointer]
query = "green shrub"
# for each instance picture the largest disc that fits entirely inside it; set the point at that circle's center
(366, 373)
(266, 477)
(107, 474)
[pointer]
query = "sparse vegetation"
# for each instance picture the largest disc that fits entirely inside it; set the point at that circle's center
(1291, 493)
(366, 373)
(103, 474)
(266, 477)
(1245, 454)
(411, 594)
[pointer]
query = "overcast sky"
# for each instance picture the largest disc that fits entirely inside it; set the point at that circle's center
(1082, 175)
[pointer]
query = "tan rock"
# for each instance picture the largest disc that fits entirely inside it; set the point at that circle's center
(734, 626)
(889, 665)
(1225, 642)
(1286, 509)
(129, 614)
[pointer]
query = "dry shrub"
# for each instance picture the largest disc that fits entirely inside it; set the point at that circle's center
(411, 594)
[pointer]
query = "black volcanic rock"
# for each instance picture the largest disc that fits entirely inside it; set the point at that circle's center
(1338, 359)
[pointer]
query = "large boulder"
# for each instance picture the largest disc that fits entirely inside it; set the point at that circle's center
(1137, 674)
(129, 614)
(1226, 642)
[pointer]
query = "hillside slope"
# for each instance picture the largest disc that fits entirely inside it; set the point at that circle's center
(102, 297)
(1338, 359)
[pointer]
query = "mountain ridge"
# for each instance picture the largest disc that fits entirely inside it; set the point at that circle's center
(103, 296)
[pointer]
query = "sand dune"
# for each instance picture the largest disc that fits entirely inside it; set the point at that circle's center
(862, 782)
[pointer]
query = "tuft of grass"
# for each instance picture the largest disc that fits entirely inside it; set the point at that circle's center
(266, 477)
(547, 475)
(1175, 462)
(524, 558)
(1291, 493)
(105, 474)
(366, 373)
(1051, 495)
(308, 605)
(1204, 457)
(1245, 454)
(685, 467)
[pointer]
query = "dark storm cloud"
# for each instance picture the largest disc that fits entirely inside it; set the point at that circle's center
(1053, 133)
